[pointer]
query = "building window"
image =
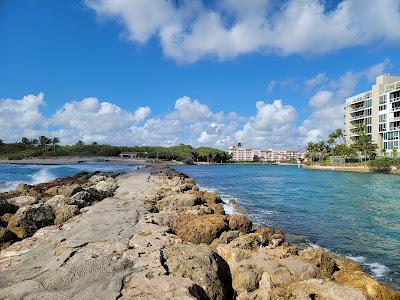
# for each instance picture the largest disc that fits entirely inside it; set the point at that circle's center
(368, 129)
(382, 99)
(382, 118)
(382, 107)
(368, 103)
(382, 127)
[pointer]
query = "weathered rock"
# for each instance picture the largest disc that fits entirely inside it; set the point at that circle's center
(22, 188)
(203, 266)
(320, 289)
(65, 190)
(351, 277)
(64, 212)
(210, 198)
(217, 209)
(23, 200)
(175, 201)
(200, 229)
(161, 287)
(6, 235)
(81, 199)
(240, 222)
(6, 207)
(107, 187)
(96, 179)
(27, 220)
(324, 260)
(261, 238)
(226, 237)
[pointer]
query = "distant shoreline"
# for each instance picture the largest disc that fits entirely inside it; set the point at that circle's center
(73, 161)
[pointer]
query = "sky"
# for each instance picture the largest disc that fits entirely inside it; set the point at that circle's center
(265, 73)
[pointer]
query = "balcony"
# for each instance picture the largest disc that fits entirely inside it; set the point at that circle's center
(394, 99)
(392, 87)
(394, 119)
(359, 117)
(394, 128)
(395, 109)
(357, 109)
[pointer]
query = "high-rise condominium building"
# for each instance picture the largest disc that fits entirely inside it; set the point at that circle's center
(379, 111)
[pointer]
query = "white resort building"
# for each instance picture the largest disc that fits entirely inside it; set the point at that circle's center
(239, 153)
(378, 110)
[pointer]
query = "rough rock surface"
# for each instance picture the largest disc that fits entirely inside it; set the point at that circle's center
(148, 241)
(23, 200)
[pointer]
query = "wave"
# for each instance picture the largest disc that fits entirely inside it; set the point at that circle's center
(43, 175)
(377, 270)
(226, 204)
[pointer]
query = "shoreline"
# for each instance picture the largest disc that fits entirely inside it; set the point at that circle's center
(74, 161)
(158, 236)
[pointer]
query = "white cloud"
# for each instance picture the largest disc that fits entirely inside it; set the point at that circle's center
(189, 31)
(22, 117)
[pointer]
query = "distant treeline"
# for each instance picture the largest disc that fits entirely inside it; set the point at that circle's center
(50, 147)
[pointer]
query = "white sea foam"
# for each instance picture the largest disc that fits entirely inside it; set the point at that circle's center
(377, 270)
(228, 207)
(43, 175)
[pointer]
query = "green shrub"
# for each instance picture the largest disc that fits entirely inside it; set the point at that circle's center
(383, 165)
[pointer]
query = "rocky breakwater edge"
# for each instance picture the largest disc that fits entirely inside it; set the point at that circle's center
(158, 237)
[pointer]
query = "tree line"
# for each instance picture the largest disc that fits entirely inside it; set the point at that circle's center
(51, 147)
(336, 145)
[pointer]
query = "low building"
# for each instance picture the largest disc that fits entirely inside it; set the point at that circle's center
(128, 155)
(239, 153)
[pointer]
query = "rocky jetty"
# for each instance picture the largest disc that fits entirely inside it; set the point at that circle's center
(152, 234)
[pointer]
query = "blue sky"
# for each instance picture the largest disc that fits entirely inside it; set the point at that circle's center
(140, 72)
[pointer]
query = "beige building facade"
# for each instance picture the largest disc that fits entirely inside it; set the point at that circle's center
(267, 155)
(379, 111)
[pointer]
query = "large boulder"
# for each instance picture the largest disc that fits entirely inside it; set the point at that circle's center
(175, 201)
(239, 222)
(6, 235)
(65, 190)
(80, 199)
(201, 265)
(107, 187)
(27, 220)
(7, 207)
(23, 200)
(210, 198)
(200, 229)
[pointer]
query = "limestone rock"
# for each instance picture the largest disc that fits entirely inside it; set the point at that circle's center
(64, 212)
(176, 201)
(320, 289)
(6, 207)
(23, 200)
(6, 235)
(65, 190)
(210, 198)
(96, 179)
(240, 222)
(324, 260)
(81, 199)
(203, 266)
(107, 187)
(200, 229)
(217, 209)
(161, 287)
(27, 220)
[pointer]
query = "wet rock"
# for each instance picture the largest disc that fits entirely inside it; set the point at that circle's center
(80, 199)
(27, 220)
(320, 289)
(201, 265)
(200, 229)
(240, 222)
(23, 200)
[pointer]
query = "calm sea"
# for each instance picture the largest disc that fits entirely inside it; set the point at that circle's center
(352, 214)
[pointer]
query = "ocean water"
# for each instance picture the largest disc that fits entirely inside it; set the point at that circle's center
(12, 175)
(351, 214)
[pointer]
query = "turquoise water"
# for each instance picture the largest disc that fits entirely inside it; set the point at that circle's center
(352, 214)
(12, 175)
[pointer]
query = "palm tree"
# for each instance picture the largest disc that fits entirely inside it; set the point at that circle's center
(55, 141)
(1, 142)
(25, 141)
(364, 144)
(339, 135)
(44, 141)
(80, 143)
(312, 149)
(34, 142)
(394, 152)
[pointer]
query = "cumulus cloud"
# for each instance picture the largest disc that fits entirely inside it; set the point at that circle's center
(190, 30)
(21, 117)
